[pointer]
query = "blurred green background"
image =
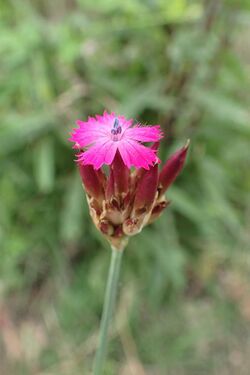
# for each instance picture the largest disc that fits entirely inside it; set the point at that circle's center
(184, 301)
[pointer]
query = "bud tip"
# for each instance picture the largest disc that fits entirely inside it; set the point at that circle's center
(187, 144)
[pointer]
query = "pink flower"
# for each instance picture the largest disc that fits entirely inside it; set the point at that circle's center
(122, 201)
(104, 136)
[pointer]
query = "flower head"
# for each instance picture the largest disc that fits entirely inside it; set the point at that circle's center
(124, 200)
(104, 136)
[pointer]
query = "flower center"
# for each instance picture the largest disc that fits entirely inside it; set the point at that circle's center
(116, 130)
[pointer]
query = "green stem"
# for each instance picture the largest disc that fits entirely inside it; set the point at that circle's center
(108, 307)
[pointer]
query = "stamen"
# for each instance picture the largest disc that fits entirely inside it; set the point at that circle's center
(116, 123)
(117, 129)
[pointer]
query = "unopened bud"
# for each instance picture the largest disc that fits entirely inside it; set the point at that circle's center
(146, 190)
(145, 196)
(91, 181)
(120, 175)
(110, 188)
(172, 168)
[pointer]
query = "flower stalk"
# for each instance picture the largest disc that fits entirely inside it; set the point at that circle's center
(108, 308)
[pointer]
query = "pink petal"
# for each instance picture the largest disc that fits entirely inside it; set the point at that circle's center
(144, 133)
(125, 123)
(87, 133)
(99, 154)
(137, 155)
(83, 139)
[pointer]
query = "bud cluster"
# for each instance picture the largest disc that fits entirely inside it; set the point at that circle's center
(123, 201)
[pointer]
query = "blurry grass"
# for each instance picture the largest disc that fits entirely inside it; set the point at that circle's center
(185, 337)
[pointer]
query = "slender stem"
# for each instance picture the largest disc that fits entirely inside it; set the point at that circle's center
(108, 307)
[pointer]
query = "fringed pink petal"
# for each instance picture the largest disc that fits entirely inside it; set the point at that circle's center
(88, 132)
(98, 154)
(145, 133)
(137, 155)
(92, 123)
(86, 138)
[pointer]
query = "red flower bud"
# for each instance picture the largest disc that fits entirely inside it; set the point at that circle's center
(155, 146)
(92, 181)
(172, 168)
(120, 175)
(110, 188)
(146, 190)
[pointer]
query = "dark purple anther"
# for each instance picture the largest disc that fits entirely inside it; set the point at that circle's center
(117, 129)
(116, 123)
